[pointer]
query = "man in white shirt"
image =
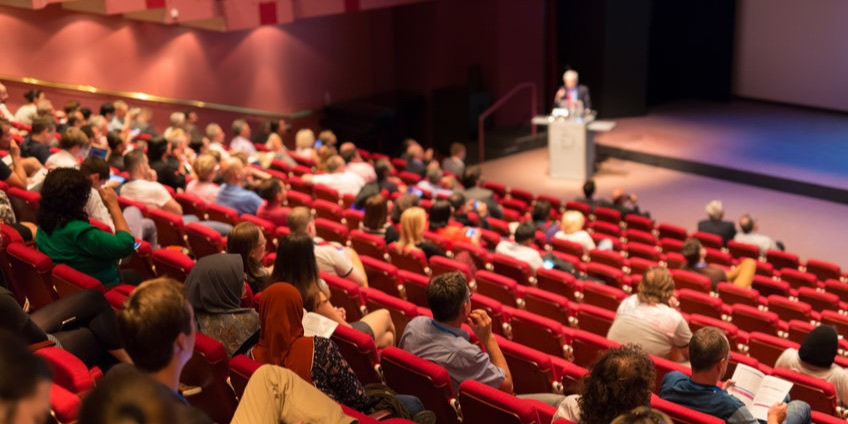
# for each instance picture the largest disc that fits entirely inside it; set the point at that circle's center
(331, 258)
(71, 143)
(241, 142)
(520, 248)
(216, 140)
(5, 113)
(750, 235)
(355, 163)
(339, 178)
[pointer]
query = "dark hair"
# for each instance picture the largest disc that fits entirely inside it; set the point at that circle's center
(87, 129)
(541, 211)
(114, 139)
(382, 168)
(456, 148)
(32, 95)
(440, 213)
(71, 106)
(707, 347)
(107, 109)
(63, 197)
(156, 148)
(589, 189)
(41, 124)
(446, 293)
(691, 250)
(133, 159)
(22, 371)
(525, 231)
(402, 203)
(295, 264)
(156, 313)
(619, 381)
(270, 188)
(242, 240)
(376, 211)
(746, 223)
(643, 415)
(95, 165)
(348, 154)
(457, 200)
(86, 112)
(471, 176)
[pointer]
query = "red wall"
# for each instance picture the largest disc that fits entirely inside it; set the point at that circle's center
(284, 68)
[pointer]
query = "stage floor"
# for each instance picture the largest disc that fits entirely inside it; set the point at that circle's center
(792, 143)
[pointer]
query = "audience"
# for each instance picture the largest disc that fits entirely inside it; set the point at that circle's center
(66, 236)
(704, 392)
(521, 246)
(274, 193)
(203, 187)
(24, 383)
(383, 183)
(815, 358)
(620, 380)
(375, 220)
(470, 180)
(572, 230)
(216, 140)
(232, 193)
(589, 195)
(248, 241)
(117, 148)
(750, 235)
(241, 138)
(71, 145)
(433, 183)
(215, 287)
(540, 215)
(417, 160)
(37, 143)
(455, 163)
(649, 319)
(160, 156)
(28, 113)
(401, 204)
(714, 223)
(304, 143)
(5, 113)
(355, 164)
(462, 209)
(626, 203)
(338, 177)
(741, 275)
(332, 258)
(440, 214)
(120, 120)
(12, 174)
(413, 222)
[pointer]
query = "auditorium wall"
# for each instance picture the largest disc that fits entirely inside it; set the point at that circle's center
(793, 52)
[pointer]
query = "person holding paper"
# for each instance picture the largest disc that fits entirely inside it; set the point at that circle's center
(709, 353)
(815, 358)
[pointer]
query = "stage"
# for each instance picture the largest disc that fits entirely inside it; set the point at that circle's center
(670, 157)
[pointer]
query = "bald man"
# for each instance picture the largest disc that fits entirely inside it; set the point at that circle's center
(232, 193)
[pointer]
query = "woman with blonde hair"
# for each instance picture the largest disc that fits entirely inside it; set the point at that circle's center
(571, 226)
(650, 320)
(413, 222)
(205, 169)
(304, 142)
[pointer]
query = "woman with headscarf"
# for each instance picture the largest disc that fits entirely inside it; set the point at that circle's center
(815, 358)
(215, 287)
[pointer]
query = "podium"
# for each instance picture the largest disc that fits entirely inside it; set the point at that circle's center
(571, 146)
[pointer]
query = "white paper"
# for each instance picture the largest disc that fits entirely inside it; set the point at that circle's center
(318, 325)
(758, 391)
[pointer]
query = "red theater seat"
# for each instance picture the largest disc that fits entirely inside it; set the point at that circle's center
(695, 302)
(512, 268)
(30, 272)
(547, 304)
(208, 369)
(481, 403)
(823, 270)
(368, 245)
(495, 310)
(682, 415)
(543, 334)
(602, 295)
(749, 318)
(780, 259)
(767, 348)
(708, 240)
(24, 203)
(588, 347)
(171, 263)
(345, 294)
(203, 240)
(409, 374)
(412, 260)
(331, 231)
(532, 371)
(818, 393)
(402, 311)
(216, 212)
(743, 250)
(498, 287)
(731, 294)
(170, 230)
(671, 231)
(383, 276)
(558, 282)
(415, 286)
(441, 265)
(359, 351)
(690, 280)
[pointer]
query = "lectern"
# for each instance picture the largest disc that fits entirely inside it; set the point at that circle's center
(571, 147)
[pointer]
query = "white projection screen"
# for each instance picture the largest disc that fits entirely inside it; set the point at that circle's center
(793, 51)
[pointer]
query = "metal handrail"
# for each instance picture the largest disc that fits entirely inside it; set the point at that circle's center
(481, 135)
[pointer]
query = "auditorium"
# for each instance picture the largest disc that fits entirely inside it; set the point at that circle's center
(423, 211)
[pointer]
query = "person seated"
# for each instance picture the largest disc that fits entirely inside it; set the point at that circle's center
(215, 287)
(71, 144)
(241, 142)
(649, 319)
(97, 171)
(315, 359)
(704, 392)
(750, 235)
(461, 209)
(273, 191)
(117, 148)
(333, 258)
(5, 113)
(142, 187)
(625, 203)
(417, 159)
(741, 275)
(14, 174)
(472, 191)
(66, 236)
(248, 241)
(278, 150)
(714, 223)
(161, 158)
(37, 142)
(620, 380)
(295, 264)
(216, 140)
(203, 187)
(401, 204)
(304, 143)
(521, 246)
(455, 163)
(815, 358)
(233, 194)
(28, 112)
(355, 164)
(433, 183)
(83, 323)
(643, 415)
(540, 215)
(440, 214)
(383, 182)
(328, 138)
(375, 220)
(120, 118)
(25, 383)
(338, 177)
(571, 225)
(413, 222)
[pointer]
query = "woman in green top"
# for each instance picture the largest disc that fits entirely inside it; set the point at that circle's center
(65, 234)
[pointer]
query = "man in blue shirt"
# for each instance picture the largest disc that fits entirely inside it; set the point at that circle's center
(232, 194)
(709, 353)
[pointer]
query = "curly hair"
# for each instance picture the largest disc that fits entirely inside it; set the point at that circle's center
(63, 198)
(620, 381)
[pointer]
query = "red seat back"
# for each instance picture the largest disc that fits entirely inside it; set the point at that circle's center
(730, 294)
(766, 286)
(208, 369)
(543, 334)
(326, 193)
(547, 304)
(690, 280)
(203, 240)
(818, 393)
(192, 205)
(512, 268)
(780, 259)
(368, 244)
(532, 371)
(749, 318)
(331, 230)
(607, 215)
(383, 276)
(24, 203)
(67, 281)
(216, 212)
(798, 279)
(442, 265)
(171, 263)
(671, 231)
(566, 246)
(641, 250)
(611, 276)
(481, 403)
(169, 228)
(682, 415)
(695, 302)
(558, 282)
(639, 222)
(588, 347)
(787, 309)
(401, 311)
(594, 319)
(709, 240)
(495, 310)
(823, 270)
(743, 250)
(423, 379)
(602, 295)
(241, 368)
(412, 260)
(415, 286)
(497, 287)
(345, 294)
(295, 198)
(359, 351)
(31, 274)
(767, 348)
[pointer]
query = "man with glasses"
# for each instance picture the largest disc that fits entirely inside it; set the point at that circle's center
(709, 354)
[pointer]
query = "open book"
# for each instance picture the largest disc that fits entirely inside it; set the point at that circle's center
(758, 391)
(318, 325)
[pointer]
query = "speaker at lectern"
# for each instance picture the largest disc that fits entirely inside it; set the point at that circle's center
(571, 147)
